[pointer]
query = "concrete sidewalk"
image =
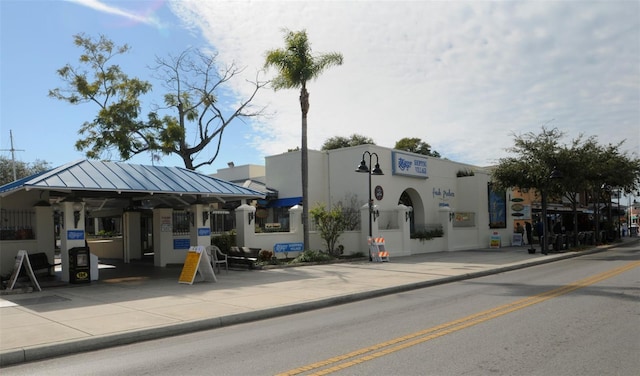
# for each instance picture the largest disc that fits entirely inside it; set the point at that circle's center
(143, 302)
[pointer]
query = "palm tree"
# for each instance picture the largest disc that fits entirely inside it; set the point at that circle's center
(296, 66)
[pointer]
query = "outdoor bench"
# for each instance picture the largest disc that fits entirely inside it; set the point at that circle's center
(243, 256)
(40, 261)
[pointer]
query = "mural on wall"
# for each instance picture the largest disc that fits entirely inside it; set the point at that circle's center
(497, 208)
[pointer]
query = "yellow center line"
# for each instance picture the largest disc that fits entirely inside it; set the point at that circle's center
(400, 343)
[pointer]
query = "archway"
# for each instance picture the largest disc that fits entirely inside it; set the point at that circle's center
(410, 197)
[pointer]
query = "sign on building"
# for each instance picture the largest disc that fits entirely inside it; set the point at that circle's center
(409, 165)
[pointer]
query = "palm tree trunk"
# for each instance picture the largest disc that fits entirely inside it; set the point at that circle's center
(304, 106)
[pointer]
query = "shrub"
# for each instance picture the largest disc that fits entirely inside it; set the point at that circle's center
(265, 255)
(312, 256)
(330, 223)
(428, 234)
(224, 241)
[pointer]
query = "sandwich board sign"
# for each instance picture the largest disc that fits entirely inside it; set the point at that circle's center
(196, 261)
(22, 259)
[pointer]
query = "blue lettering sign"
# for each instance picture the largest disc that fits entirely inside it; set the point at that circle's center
(409, 165)
(204, 231)
(404, 165)
(181, 243)
(288, 247)
(75, 234)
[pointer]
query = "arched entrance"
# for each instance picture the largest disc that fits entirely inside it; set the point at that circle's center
(410, 197)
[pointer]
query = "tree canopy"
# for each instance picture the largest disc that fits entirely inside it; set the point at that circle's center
(23, 169)
(587, 168)
(415, 145)
(191, 111)
(339, 142)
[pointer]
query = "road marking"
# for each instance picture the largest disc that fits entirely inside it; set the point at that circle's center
(353, 358)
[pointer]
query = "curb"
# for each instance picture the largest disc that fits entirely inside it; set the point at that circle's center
(39, 352)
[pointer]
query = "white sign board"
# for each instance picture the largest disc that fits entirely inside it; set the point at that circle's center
(409, 165)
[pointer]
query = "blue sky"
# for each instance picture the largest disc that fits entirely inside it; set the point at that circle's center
(462, 76)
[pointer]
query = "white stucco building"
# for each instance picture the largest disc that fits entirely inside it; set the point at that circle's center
(415, 194)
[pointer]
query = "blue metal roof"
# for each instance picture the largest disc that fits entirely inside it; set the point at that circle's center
(99, 176)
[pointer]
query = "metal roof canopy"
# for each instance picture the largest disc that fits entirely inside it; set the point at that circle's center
(99, 179)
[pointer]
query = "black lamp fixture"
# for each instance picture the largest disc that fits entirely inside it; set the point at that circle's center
(407, 214)
(57, 214)
(77, 208)
(364, 168)
(205, 217)
(251, 216)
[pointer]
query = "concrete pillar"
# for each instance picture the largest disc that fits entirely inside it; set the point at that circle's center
(200, 233)
(132, 238)
(245, 224)
(404, 223)
(72, 234)
(446, 220)
(162, 235)
(295, 219)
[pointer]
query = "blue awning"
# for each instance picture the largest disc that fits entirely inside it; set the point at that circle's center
(285, 202)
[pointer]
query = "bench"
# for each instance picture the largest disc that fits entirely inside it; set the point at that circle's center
(243, 256)
(40, 261)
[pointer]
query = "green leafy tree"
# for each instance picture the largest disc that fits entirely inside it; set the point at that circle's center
(23, 169)
(416, 145)
(585, 166)
(339, 142)
(191, 79)
(296, 66)
(533, 166)
(331, 224)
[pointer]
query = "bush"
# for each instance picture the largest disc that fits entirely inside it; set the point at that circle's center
(311, 256)
(428, 234)
(224, 241)
(265, 255)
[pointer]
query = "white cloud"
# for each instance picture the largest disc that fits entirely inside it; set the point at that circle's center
(462, 76)
(144, 17)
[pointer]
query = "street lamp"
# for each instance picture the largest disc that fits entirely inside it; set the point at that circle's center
(376, 171)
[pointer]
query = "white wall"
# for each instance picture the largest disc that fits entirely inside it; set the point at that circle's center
(332, 178)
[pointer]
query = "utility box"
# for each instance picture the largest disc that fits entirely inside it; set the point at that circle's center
(79, 265)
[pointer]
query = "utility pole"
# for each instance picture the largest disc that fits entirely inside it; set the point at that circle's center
(13, 154)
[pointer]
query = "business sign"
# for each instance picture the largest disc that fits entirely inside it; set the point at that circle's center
(409, 165)
(75, 234)
(288, 247)
(181, 243)
(204, 231)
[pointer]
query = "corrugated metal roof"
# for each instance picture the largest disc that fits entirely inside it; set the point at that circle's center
(99, 176)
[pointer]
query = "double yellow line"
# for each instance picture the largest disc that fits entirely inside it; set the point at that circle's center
(376, 351)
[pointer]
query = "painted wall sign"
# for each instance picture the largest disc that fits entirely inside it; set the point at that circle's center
(75, 234)
(288, 247)
(444, 195)
(409, 165)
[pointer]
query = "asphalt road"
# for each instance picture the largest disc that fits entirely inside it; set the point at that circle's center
(580, 316)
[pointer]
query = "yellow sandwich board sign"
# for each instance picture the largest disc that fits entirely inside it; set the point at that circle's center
(196, 261)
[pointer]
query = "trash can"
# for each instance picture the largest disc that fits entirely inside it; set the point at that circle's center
(79, 265)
